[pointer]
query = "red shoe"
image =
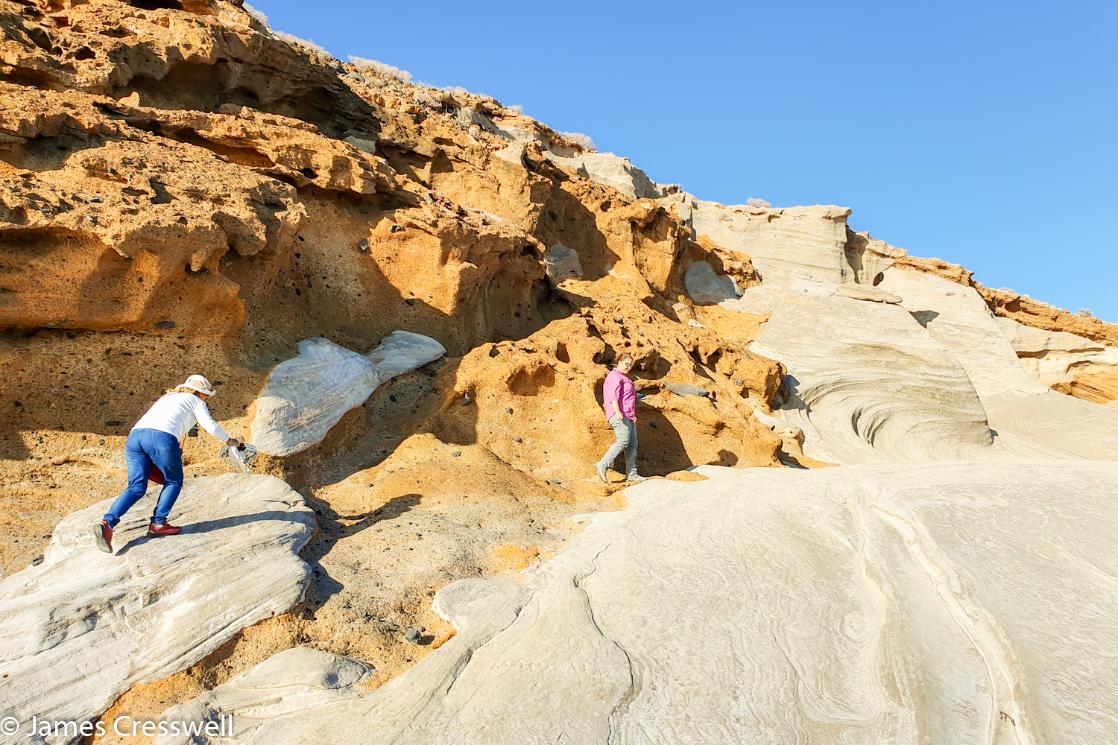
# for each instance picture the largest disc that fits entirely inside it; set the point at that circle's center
(104, 536)
(164, 529)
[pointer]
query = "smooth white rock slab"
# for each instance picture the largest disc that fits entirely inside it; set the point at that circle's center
(305, 396)
(1028, 417)
(804, 248)
(959, 602)
(82, 627)
(401, 352)
(867, 384)
(290, 681)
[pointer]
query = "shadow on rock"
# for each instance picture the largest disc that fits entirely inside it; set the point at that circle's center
(208, 526)
(334, 527)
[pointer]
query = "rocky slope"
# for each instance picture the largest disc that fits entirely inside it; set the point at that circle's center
(183, 190)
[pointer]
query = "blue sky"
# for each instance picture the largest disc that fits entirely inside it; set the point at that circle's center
(983, 133)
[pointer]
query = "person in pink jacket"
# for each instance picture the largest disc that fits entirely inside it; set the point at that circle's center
(620, 399)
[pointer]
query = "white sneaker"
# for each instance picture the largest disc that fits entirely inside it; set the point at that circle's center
(601, 472)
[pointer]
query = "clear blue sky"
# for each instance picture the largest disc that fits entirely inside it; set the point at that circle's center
(984, 133)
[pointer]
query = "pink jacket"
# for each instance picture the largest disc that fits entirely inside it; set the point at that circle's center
(618, 387)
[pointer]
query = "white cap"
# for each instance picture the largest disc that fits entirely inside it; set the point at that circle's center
(200, 384)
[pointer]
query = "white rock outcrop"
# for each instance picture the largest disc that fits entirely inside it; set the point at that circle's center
(305, 396)
(1057, 358)
(294, 680)
(82, 627)
(560, 263)
(957, 602)
(610, 170)
(869, 384)
(706, 286)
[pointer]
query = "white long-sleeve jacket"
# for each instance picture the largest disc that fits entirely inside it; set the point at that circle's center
(176, 413)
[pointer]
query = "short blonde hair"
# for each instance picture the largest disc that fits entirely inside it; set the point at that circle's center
(625, 358)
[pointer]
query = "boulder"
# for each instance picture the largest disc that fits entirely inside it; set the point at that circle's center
(83, 626)
(707, 287)
(562, 263)
(305, 396)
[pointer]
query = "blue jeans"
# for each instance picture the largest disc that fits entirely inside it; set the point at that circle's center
(625, 430)
(144, 447)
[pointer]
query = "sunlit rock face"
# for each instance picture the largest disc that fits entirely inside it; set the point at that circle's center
(952, 602)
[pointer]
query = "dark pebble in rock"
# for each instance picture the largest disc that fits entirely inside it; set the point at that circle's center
(112, 423)
(456, 454)
(165, 325)
(392, 397)
(413, 636)
(37, 561)
(517, 439)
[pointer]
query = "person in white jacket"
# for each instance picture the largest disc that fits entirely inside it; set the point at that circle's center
(156, 439)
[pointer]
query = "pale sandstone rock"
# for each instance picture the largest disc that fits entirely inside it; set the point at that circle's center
(305, 396)
(904, 604)
(83, 626)
(1066, 362)
(401, 352)
(296, 679)
(705, 286)
(869, 384)
(1027, 415)
(802, 247)
(609, 170)
(561, 263)
(866, 292)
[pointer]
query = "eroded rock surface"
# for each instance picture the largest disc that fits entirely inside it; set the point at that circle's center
(83, 626)
(931, 603)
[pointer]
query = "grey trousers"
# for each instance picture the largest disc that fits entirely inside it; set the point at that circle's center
(626, 432)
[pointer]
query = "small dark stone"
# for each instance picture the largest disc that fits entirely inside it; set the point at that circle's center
(410, 301)
(112, 423)
(413, 636)
(456, 454)
(101, 441)
(392, 397)
(165, 325)
(363, 245)
(508, 410)
(37, 561)
(517, 439)
(83, 437)
(397, 228)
